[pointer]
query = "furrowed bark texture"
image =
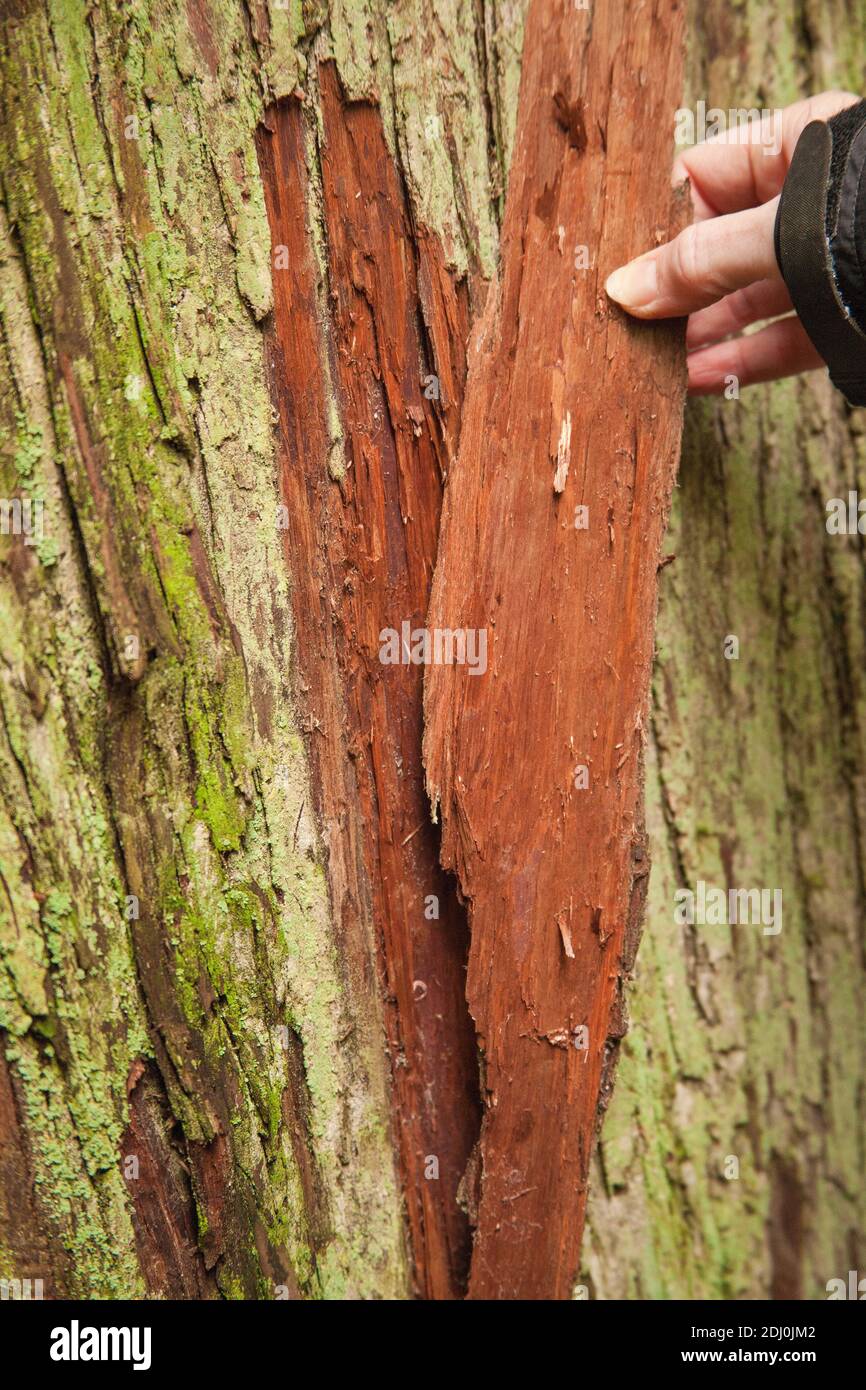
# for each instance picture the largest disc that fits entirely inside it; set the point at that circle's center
(378, 512)
(201, 896)
(568, 407)
(743, 1046)
(236, 1093)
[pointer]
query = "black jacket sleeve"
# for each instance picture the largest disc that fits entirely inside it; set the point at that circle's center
(821, 243)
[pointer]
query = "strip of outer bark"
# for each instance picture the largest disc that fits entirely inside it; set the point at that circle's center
(561, 390)
(361, 552)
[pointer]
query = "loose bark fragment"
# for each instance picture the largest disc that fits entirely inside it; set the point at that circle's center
(362, 486)
(568, 406)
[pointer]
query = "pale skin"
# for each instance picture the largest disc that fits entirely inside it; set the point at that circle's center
(722, 271)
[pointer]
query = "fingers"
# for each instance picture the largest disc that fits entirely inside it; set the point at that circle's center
(728, 255)
(766, 299)
(746, 166)
(706, 261)
(782, 349)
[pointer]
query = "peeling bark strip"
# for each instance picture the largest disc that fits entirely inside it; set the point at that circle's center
(362, 486)
(567, 406)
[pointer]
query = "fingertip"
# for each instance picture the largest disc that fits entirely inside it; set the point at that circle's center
(613, 285)
(634, 286)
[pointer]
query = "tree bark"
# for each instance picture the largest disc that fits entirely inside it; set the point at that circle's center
(550, 543)
(242, 251)
(214, 875)
(748, 1047)
(392, 304)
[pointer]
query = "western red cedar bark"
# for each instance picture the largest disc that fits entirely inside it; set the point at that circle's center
(551, 534)
(380, 515)
(236, 1055)
(730, 1162)
(229, 1059)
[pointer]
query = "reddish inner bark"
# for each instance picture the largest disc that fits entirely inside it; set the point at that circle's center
(567, 406)
(361, 551)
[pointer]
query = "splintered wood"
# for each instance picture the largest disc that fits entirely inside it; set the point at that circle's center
(552, 523)
(538, 643)
(362, 455)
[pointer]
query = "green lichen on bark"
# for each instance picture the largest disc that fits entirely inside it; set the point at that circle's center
(743, 1045)
(68, 997)
(135, 276)
(157, 247)
(165, 884)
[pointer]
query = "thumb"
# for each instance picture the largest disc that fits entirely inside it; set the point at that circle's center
(705, 262)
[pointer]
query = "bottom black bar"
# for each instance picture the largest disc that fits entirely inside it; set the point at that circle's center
(68, 1339)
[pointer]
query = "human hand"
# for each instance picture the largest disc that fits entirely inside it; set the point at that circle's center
(722, 270)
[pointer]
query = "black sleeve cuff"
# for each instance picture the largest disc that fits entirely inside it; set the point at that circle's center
(821, 243)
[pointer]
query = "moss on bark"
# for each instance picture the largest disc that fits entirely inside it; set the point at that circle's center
(745, 1046)
(152, 762)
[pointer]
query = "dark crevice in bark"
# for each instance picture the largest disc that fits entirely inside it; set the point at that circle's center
(785, 1229)
(159, 1186)
(363, 452)
(492, 114)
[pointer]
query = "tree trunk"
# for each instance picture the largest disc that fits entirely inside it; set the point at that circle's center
(752, 1047)
(550, 545)
(242, 251)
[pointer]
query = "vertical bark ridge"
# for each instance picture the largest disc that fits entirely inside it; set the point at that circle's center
(730, 1164)
(567, 407)
(361, 543)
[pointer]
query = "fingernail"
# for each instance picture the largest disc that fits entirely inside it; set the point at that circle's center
(635, 285)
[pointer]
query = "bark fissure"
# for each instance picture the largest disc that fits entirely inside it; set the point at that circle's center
(568, 612)
(352, 392)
